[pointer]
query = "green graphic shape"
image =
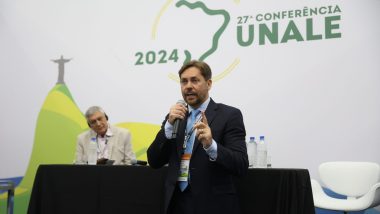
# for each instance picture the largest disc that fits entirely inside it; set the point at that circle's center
(218, 33)
(58, 125)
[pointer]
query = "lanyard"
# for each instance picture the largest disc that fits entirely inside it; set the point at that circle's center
(188, 135)
(100, 150)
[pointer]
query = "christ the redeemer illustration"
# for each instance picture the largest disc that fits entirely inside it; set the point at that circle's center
(61, 69)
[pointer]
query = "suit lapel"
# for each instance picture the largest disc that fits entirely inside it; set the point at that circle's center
(210, 115)
(111, 142)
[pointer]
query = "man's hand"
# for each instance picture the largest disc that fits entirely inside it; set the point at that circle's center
(203, 132)
(177, 111)
(101, 161)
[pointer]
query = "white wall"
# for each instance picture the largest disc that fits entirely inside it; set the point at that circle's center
(314, 101)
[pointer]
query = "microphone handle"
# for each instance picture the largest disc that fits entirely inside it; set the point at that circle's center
(175, 128)
(177, 121)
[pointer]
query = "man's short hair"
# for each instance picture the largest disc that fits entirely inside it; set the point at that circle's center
(92, 110)
(202, 66)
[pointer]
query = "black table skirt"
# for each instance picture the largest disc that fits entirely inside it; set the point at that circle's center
(277, 191)
(139, 189)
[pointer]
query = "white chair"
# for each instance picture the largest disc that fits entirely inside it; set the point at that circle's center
(359, 181)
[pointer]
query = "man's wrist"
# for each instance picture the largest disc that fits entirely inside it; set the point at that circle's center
(168, 130)
(212, 150)
(206, 147)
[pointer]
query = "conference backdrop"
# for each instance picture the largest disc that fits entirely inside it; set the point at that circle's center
(305, 74)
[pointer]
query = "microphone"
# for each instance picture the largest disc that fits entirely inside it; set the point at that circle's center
(177, 121)
(136, 162)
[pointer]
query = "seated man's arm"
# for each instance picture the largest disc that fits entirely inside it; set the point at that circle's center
(129, 155)
(79, 153)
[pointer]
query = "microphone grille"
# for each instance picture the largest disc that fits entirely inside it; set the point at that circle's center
(182, 102)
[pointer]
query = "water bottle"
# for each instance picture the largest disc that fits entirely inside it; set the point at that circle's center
(92, 154)
(251, 152)
(261, 153)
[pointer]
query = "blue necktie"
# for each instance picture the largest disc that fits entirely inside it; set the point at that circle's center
(189, 143)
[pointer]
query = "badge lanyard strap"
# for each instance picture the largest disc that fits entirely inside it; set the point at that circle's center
(102, 151)
(188, 135)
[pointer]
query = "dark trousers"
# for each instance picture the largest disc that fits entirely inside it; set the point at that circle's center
(181, 202)
(187, 202)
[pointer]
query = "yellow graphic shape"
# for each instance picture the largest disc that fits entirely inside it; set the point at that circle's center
(228, 70)
(143, 135)
(58, 124)
(158, 17)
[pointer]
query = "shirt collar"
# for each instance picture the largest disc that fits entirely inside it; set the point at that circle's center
(108, 132)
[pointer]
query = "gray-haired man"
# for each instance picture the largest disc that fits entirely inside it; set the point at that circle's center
(113, 143)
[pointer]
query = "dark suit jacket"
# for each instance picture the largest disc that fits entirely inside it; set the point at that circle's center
(211, 182)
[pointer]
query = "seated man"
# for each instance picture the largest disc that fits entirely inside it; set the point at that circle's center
(113, 143)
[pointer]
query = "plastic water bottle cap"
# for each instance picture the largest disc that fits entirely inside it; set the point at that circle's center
(252, 138)
(261, 137)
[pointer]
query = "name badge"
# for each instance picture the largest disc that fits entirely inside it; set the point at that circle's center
(184, 167)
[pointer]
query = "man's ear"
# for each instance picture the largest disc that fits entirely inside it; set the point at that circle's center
(209, 84)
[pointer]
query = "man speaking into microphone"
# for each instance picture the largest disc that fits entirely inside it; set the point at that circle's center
(207, 150)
